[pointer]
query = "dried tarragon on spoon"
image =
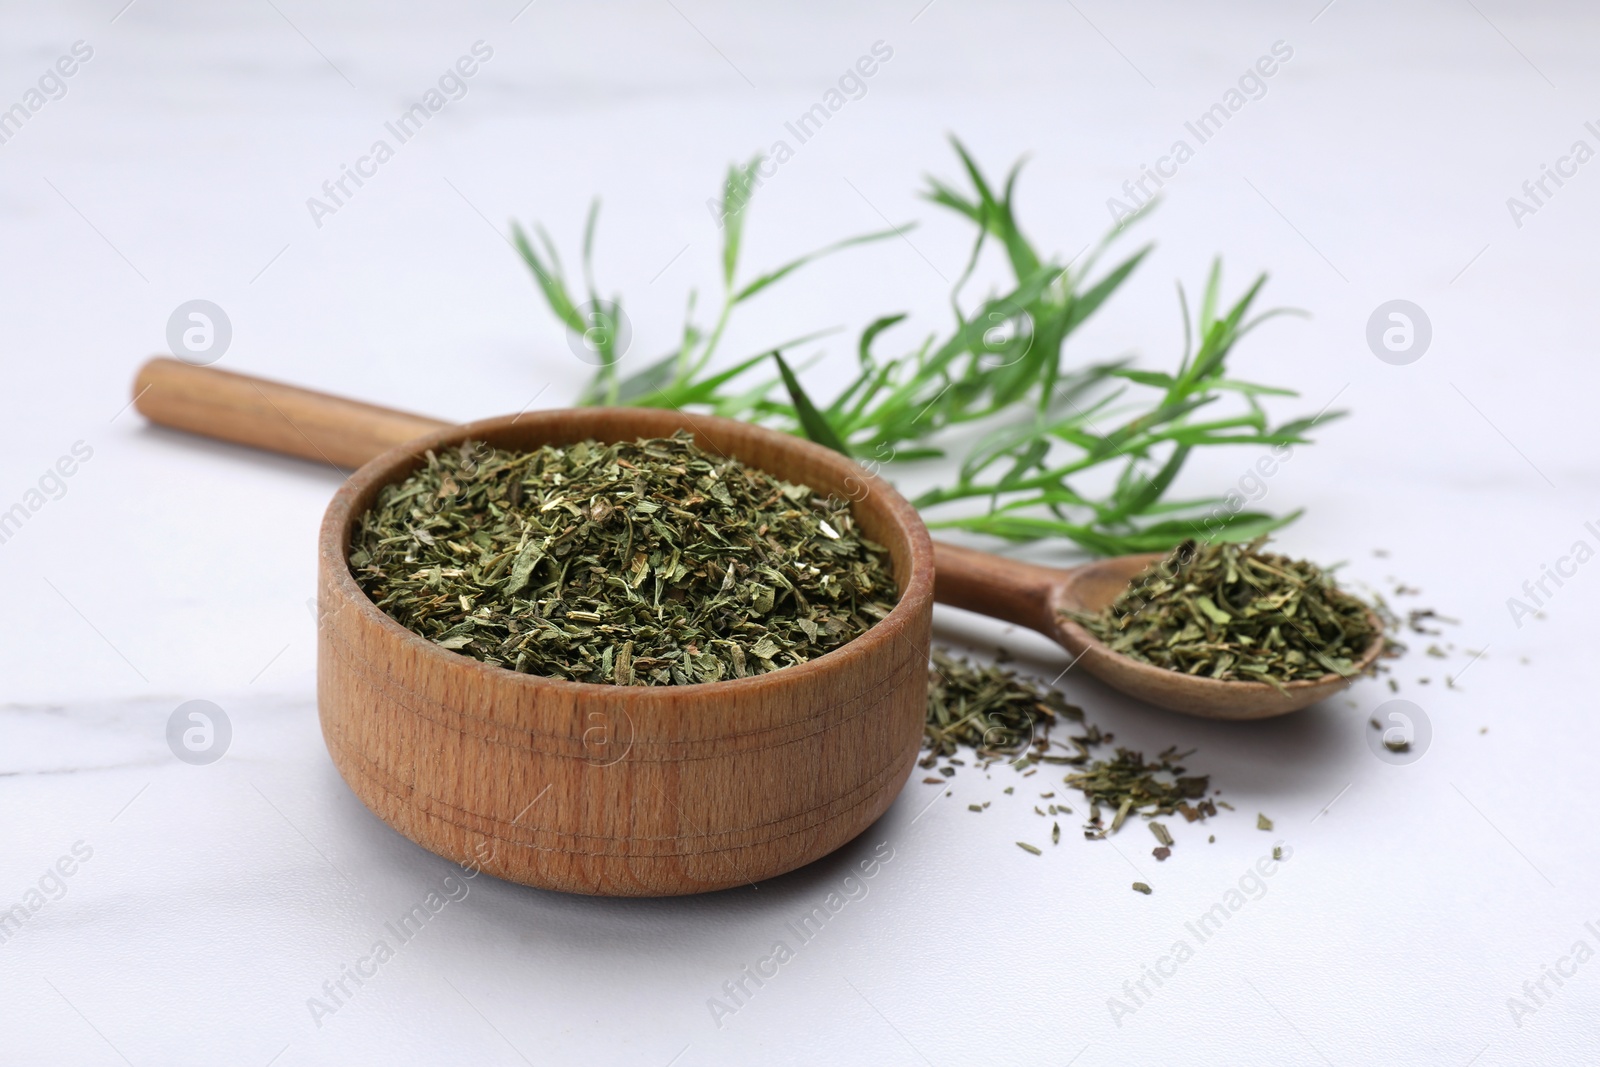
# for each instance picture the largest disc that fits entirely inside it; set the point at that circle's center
(1237, 613)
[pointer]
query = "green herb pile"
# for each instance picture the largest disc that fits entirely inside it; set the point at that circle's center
(648, 562)
(1001, 715)
(988, 709)
(1050, 445)
(1236, 612)
(1128, 785)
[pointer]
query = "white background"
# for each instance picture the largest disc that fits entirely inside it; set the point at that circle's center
(1377, 166)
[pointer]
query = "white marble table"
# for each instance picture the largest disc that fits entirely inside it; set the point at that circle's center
(212, 911)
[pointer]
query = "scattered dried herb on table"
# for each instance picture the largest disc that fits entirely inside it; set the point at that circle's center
(1236, 613)
(647, 562)
(1127, 785)
(1418, 621)
(988, 709)
(1001, 715)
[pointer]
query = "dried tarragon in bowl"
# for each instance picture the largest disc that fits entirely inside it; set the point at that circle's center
(1237, 613)
(645, 562)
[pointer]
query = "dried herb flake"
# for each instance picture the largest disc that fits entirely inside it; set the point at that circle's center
(647, 562)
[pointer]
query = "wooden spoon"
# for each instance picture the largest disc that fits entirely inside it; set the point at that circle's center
(301, 422)
(1036, 597)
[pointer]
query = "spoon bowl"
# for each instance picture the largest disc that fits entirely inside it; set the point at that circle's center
(1040, 598)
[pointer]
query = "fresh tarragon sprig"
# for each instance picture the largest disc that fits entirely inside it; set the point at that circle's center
(1033, 429)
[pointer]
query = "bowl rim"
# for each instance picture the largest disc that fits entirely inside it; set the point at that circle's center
(339, 519)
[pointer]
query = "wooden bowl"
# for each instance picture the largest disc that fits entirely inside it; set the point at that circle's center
(613, 790)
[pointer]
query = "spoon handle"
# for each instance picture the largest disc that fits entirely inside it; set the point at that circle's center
(270, 415)
(1001, 588)
(347, 433)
